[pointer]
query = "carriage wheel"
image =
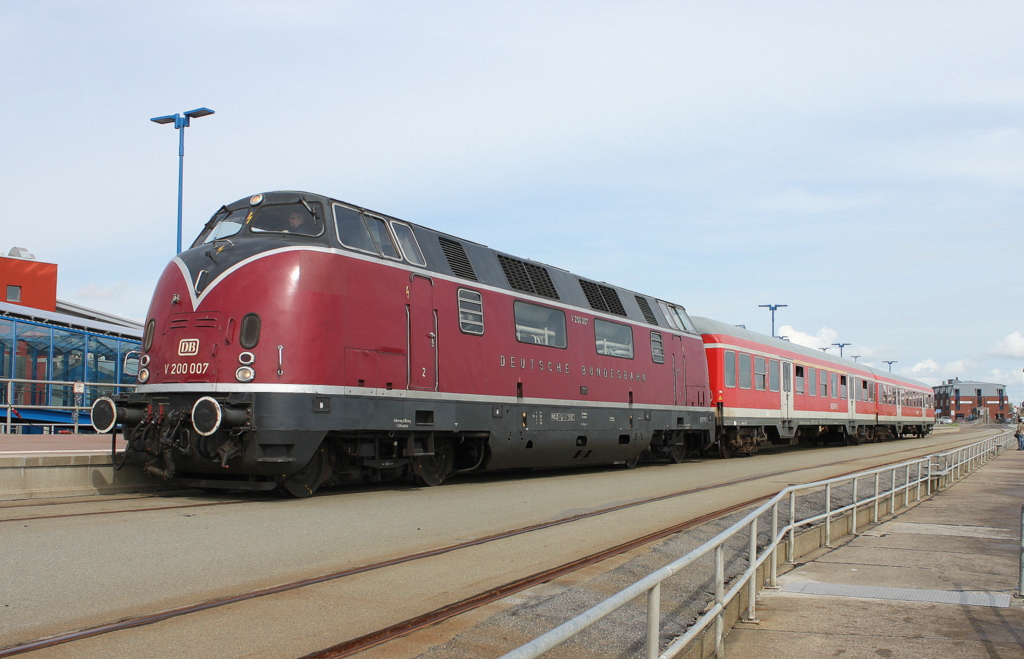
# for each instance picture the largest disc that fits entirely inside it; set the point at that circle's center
(432, 470)
(850, 439)
(305, 482)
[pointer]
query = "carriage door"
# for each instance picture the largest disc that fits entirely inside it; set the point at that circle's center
(851, 392)
(787, 391)
(422, 334)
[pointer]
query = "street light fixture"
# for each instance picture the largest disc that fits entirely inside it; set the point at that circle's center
(841, 348)
(854, 357)
(890, 363)
(773, 307)
(181, 122)
(823, 349)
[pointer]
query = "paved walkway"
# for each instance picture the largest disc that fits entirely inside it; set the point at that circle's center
(936, 581)
(58, 444)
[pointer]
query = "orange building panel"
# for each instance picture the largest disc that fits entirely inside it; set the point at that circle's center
(29, 283)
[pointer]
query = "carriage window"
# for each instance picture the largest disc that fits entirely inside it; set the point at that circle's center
(406, 239)
(289, 218)
(760, 373)
(471, 311)
(730, 368)
(613, 339)
(744, 371)
(351, 230)
(842, 387)
(812, 381)
(799, 379)
(539, 325)
(824, 384)
(657, 348)
(871, 392)
(835, 385)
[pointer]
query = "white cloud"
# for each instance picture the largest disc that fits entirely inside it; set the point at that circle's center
(93, 291)
(1011, 346)
(823, 339)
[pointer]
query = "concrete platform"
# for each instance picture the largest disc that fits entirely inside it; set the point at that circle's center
(42, 466)
(936, 581)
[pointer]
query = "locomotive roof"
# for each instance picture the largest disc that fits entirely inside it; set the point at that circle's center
(486, 266)
(709, 326)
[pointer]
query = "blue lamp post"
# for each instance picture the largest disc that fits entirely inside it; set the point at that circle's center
(180, 122)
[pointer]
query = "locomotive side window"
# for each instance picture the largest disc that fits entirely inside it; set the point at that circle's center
(471, 311)
(744, 371)
(288, 218)
(657, 348)
(407, 241)
(613, 339)
(760, 373)
(351, 230)
(382, 237)
(800, 379)
(539, 325)
(677, 317)
(669, 316)
(730, 368)
(773, 375)
(812, 381)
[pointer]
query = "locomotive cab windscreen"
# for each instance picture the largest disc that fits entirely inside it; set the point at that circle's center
(303, 219)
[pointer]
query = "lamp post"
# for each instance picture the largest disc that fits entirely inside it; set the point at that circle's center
(181, 122)
(890, 363)
(773, 307)
(841, 345)
(854, 357)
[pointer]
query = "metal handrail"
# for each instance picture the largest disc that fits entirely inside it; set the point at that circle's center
(10, 383)
(943, 468)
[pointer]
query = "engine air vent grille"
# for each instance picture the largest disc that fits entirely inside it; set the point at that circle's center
(602, 298)
(457, 258)
(527, 277)
(645, 309)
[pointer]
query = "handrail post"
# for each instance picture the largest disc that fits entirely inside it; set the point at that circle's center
(906, 488)
(791, 545)
(853, 525)
(752, 566)
(774, 572)
(892, 492)
(720, 601)
(874, 516)
(1020, 583)
(918, 496)
(828, 515)
(653, 620)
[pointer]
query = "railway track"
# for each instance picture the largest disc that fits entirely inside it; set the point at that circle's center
(406, 626)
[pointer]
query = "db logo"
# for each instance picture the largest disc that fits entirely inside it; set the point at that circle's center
(188, 347)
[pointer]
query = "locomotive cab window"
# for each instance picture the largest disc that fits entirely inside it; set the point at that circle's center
(730, 368)
(657, 348)
(351, 231)
(382, 239)
(288, 218)
(223, 225)
(539, 325)
(471, 311)
(613, 339)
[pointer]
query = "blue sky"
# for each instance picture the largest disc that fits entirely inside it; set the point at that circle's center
(861, 162)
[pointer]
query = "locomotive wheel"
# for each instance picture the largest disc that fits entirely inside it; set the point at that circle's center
(632, 462)
(724, 450)
(305, 482)
(432, 470)
(677, 453)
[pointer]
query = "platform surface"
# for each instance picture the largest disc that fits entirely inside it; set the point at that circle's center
(937, 581)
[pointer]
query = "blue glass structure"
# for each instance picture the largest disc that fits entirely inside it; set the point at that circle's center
(42, 345)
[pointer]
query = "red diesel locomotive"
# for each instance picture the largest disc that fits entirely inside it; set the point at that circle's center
(302, 340)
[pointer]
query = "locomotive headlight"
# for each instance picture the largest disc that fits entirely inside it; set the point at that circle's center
(144, 362)
(246, 358)
(245, 374)
(144, 375)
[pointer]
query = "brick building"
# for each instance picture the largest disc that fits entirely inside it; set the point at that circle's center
(965, 399)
